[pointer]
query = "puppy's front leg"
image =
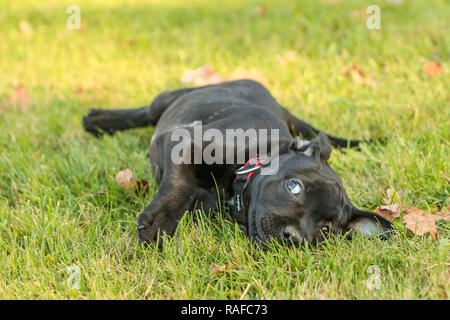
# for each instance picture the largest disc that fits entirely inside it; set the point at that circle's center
(175, 196)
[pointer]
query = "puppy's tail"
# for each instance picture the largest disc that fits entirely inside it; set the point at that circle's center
(98, 121)
(299, 127)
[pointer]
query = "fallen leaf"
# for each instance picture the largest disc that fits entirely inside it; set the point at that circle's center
(25, 28)
(201, 76)
(443, 215)
(83, 26)
(79, 91)
(360, 13)
(215, 269)
(125, 179)
(19, 97)
(142, 187)
(129, 43)
(432, 68)
(242, 73)
(354, 72)
(286, 57)
(421, 222)
(389, 212)
(206, 75)
(261, 10)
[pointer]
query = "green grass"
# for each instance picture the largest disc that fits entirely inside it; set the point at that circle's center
(59, 206)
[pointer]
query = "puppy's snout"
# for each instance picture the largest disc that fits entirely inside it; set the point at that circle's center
(290, 235)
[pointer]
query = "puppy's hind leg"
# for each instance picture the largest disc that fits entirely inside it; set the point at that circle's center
(98, 121)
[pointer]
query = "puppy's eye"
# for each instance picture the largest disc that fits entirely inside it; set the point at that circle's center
(294, 187)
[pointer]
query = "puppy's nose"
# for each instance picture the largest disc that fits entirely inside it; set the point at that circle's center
(290, 235)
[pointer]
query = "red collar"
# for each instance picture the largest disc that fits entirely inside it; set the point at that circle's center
(243, 175)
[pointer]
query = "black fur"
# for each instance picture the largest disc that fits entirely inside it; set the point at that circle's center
(273, 213)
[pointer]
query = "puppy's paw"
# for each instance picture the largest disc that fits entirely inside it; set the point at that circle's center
(152, 226)
(90, 125)
(99, 121)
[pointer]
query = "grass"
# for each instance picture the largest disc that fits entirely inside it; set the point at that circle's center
(59, 206)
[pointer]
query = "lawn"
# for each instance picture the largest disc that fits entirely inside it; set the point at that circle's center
(61, 207)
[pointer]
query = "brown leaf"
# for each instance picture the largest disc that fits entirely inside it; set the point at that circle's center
(201, 76)
(129, 43)
(25, 28)
(432, 68)
(444, 215)
(19, 97)
(389, 212)
(421, 222)
(125, 179)
(215, 269)
(206, 75)
(242, 73)
(261, 10)
(142, 187)
(354, 72)
(446, 210)
(286, 57)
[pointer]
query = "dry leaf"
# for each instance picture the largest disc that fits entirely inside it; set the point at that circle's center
(25, 28)
(446, 210)
(261, 10)
(389, 212)
(421, 222)
(206, 75)
(286, 57)
(79, 91)
(215, 269)
(142, 187)
(432, 68)
(242, 73)
(201, 76)
(354, 72)
(360, 13)
(444, 215)
(129, 43)
(19, 97)
(125, 179)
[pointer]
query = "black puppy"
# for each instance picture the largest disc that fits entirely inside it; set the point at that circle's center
(300, 199)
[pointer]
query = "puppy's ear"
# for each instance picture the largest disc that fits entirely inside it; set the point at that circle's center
(318, 148)
(369, 224)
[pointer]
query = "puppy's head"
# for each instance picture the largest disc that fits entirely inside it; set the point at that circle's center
(305, 200)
